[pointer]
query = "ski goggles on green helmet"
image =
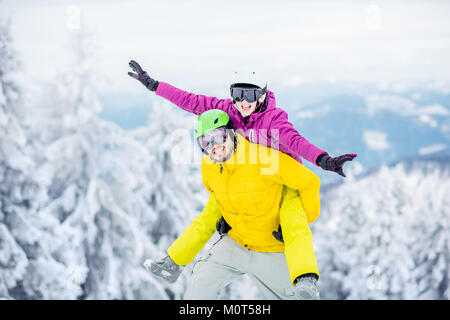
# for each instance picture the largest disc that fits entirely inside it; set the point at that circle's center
(247, 92)
(216, 136)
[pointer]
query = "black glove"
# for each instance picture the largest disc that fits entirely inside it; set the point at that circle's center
(278, 234)
(142, 76)
(222, 226)
(334, 164)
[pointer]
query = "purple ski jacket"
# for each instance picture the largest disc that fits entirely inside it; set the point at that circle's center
(268, 126)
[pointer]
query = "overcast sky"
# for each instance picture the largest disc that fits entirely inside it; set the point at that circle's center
(198, 44)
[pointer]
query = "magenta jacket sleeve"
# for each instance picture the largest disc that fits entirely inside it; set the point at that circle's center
(194, 103)
(291, 142)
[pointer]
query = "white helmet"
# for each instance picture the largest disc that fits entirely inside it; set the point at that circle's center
(249, 79)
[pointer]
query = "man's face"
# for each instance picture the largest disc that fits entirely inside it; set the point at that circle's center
(245, 108)
(220, 152)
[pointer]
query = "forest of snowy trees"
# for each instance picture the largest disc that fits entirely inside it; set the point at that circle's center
(84, 203)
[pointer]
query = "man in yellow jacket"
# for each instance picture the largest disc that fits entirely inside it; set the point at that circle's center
(255, 191)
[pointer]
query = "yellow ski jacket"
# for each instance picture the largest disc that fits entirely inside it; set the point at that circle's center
(247, 190)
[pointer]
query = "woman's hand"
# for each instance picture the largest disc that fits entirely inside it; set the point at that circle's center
(142, 76)
(334, 164)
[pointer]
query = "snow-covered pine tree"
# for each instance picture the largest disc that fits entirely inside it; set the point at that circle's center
(90, 170)
(117, 197)
(17, 190)
(386, 236)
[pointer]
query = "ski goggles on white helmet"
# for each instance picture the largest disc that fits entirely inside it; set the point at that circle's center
(246, 91)
(216, 136)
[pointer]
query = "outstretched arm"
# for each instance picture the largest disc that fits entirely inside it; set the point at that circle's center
(194, 103)
(191, 102)
(291, 142)
(195, 237)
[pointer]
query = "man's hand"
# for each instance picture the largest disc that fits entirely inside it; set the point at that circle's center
(142, 76)
(278, 234)
(222, 226)
(307, 288)
(164, 268)
(334, 164)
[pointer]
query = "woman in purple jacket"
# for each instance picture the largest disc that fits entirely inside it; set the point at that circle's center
(255, 116)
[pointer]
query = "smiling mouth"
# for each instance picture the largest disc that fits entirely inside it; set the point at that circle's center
(246, 108)
(219, 150)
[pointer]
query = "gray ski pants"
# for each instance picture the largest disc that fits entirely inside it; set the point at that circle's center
(227, 260)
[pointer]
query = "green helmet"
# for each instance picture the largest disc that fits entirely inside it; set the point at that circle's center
(210, 120)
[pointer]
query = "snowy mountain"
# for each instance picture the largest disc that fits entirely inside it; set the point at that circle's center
(381, 127)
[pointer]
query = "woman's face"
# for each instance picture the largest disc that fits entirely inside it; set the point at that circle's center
(245, 108)
(221, 152)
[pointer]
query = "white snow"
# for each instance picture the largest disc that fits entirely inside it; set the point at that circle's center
(433, 109)
(431, 149)
(376, 140)
(406, 107)
(313, 113)
(428, 120)
(377, 102)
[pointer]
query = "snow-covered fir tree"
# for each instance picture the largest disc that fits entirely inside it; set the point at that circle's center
(117, 196)
(387, 235)
(104, 201)
(16, 187)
